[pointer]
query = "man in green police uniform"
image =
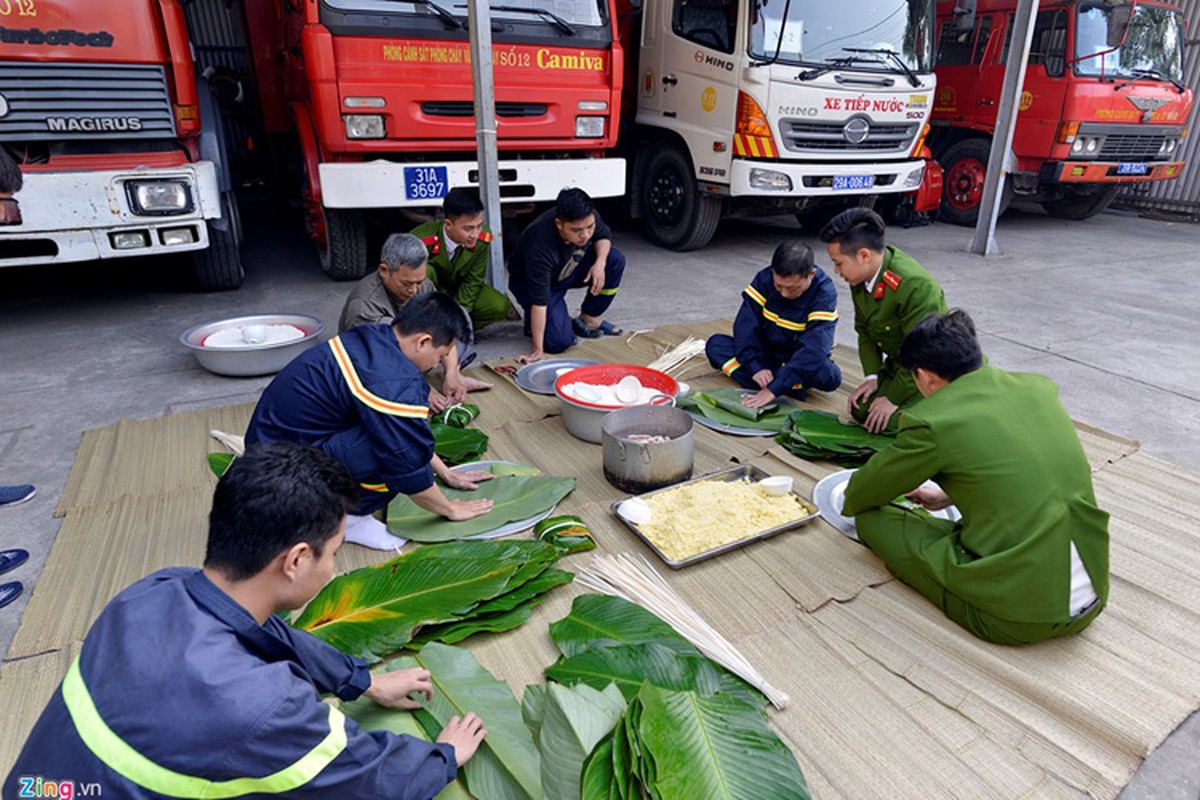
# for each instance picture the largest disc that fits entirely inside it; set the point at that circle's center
(1029, 559)
(458, 258)
(891, 294)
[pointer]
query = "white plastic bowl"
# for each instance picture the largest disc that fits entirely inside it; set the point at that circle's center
(251, 359)
(776, 484)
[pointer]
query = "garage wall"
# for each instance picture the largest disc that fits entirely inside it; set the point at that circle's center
(1183, 194)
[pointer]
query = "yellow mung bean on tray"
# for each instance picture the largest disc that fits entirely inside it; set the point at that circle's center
(698, 517)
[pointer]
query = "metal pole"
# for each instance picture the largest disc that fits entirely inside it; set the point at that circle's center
(479, 20)
(984, 241)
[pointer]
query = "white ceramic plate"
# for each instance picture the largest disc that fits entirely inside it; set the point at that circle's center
(510, 527)
(830, 497)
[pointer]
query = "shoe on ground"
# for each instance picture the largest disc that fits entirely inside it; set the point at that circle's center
(12, 558)
(10, 592)
(15, 495)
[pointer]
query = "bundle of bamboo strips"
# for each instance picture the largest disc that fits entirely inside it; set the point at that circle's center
(679, 355)
(236, 444)
(633, 578)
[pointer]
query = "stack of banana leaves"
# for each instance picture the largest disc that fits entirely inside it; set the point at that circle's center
(631, 710)
(518, 493)
(724, 406)
(819, 436)
(453, 440)
(439, 593)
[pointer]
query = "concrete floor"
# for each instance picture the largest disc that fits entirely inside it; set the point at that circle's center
(1105, 307)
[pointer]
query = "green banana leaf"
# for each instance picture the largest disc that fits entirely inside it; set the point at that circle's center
(715, 747)
(502, 468)
(606, 639)
(371, 716)
(567, 532)
(457, 416)
(732, 402)
(533, 709)
(598, 781)
(820, 436)
(219, 462)
(575, 719)
(513, 498)
(373, 611)
(507, 765)
(716, 404)
(532, 588)
(458, 445)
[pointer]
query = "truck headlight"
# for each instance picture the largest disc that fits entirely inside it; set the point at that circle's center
(364, 126)
(915, 177)
(589, 127)
(159, 197)
(770, 180)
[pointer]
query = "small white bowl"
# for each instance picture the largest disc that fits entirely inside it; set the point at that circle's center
(635, 510)
(776, 484)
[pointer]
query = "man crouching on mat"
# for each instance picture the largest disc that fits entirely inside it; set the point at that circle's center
(362, 398)
(1029, 560)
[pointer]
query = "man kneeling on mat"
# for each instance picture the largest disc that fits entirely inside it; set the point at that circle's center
(1029, 560)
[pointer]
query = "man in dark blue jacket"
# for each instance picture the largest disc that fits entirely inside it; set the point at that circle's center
(188, 685)
(783, 333)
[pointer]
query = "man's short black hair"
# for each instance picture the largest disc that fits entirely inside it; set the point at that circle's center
(460, 202)
(572, 205)
(11, 179)
(854, 229)
(434, 313)
(792, 259)
(945, 345)
(271, 499)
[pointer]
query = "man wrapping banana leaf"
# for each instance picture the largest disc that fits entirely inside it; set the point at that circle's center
(363, 399)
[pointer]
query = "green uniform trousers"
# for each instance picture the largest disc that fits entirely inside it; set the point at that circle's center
(490, 306)
(899, 536)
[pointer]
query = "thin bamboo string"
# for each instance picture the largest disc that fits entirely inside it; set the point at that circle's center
(636, 580)
(679, 355)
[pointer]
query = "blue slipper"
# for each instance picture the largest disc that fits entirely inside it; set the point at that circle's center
(11, 559)
(15, 495)
(10, 592)
(605, 328)
(608, 329)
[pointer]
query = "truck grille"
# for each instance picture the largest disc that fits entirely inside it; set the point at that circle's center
(805, 136)
(1131, 146)
(467, 109)
(59, 101)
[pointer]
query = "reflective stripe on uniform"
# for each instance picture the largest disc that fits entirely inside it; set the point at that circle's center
(608, 292)
(374, 487)
(822, 316)
(119, 756)
(357, 389)
(730, 366)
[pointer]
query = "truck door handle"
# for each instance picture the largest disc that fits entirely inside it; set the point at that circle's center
(986, 101)
(670, 80)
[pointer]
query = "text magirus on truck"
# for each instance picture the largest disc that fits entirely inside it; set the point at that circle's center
(773, 106)
(1102, 104)
(99, 104)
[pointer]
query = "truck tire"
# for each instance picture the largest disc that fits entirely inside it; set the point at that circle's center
(965, 170)
(219, 268)
(677, 216)
(344, 254)
(1076, 205)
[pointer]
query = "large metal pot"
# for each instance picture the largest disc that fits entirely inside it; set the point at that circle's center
(583, 419)
(637, 467)
(251, 359)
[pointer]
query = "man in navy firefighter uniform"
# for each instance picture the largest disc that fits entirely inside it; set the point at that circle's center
(363, 399)
(188, 685)
(568, 247)
(783, 333)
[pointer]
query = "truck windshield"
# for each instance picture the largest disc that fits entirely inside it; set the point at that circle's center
(818, 32)
(574, 12)
(1154, 43)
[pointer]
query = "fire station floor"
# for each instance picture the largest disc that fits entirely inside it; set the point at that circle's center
(1102, 306)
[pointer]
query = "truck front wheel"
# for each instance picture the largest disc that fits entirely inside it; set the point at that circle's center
(678, 217)
(1081, 205)
(219, 268)
(344, 252)
(964, 171)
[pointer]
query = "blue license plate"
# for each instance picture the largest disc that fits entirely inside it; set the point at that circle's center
(1133, 168)
(853, 182)
(425, 183)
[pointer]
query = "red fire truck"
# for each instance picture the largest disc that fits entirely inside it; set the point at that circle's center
(379, 93)
(1102, 105)
(100, 107)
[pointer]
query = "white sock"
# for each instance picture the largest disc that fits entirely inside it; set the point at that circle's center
(370, 532)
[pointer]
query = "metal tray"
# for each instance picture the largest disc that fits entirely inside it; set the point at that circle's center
(540, 376)
(735, 430)
(730, 474)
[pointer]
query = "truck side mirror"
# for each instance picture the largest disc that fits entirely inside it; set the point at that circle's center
(964, 16)
(1117, 27)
